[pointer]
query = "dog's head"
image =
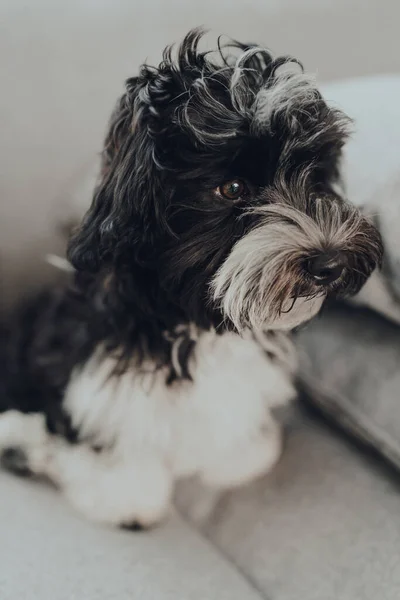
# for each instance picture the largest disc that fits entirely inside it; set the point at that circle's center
(217, 192)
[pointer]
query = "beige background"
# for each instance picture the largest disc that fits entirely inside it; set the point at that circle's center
(62, 64)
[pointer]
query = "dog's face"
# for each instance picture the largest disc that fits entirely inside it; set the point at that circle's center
(217, 192)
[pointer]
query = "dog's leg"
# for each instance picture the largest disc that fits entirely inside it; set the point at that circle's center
(237, 465)
(132, 492)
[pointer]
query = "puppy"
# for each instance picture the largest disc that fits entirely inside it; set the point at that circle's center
(216, 225)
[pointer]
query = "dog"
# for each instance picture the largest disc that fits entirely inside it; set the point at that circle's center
(217, 225)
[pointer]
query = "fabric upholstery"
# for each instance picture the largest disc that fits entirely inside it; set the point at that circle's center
(49, 553)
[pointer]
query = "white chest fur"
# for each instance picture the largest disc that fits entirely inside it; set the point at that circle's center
(192, 425)
(218, 426)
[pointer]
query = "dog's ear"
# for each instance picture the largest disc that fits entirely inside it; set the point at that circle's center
(129, 204)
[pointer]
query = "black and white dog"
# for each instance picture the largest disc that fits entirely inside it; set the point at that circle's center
(216, 225)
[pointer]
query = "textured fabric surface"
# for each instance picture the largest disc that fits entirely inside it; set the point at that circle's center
(372, 160)
(350, 359)
(325, 525)
(49, 553)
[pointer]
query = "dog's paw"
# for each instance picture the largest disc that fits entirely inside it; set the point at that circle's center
(120, 502)
(134, 494)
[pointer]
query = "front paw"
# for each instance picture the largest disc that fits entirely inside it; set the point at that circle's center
(134, 494)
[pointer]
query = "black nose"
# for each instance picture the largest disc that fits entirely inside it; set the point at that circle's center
(326, 268)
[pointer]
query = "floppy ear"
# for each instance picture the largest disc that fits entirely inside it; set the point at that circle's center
(128, 207)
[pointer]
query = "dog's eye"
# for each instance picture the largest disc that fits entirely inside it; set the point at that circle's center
(232, 190)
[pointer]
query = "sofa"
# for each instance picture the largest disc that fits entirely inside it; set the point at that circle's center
(325, 524)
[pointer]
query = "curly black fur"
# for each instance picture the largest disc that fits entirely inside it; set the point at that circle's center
(156, 234)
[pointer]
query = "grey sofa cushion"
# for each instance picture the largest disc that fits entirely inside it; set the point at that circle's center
(350, 365)
(49, 553)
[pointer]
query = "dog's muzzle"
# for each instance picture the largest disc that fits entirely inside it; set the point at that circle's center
(281, 271)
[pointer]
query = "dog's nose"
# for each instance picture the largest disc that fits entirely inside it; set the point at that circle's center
(326, 268)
